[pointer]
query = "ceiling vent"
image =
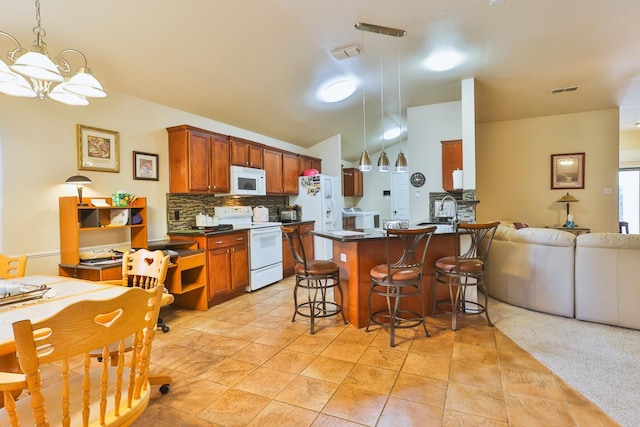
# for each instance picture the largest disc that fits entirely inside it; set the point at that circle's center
(347, 52)
(564, 89)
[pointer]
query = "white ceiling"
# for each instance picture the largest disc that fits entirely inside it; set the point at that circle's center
(256, 64)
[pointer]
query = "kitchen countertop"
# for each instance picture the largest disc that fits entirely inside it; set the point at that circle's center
(370, 234)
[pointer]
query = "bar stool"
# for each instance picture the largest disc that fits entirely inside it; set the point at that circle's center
(460, 271)
(623, 225)
(397, 281)
(316, 277)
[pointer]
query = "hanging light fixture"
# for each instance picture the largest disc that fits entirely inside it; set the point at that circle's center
(34, 64)
(383, 161)
(364, 165)
(401, 161)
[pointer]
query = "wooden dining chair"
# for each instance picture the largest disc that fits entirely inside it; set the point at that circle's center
(11, 267)
(82, 393)
(146, 269)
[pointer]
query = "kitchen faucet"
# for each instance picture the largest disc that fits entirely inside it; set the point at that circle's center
(454, 220)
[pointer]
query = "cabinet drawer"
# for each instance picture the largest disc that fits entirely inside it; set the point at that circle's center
(226, 240)
(191, 261)
(306, 228)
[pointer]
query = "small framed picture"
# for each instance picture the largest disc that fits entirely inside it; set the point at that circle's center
(98, 149)
(567, 171)
(145, 166)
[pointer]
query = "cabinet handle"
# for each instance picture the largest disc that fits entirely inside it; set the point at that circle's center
(348, 174)
(239, 238)
(218, 242)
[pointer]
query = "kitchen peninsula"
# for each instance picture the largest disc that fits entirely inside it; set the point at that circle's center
(357, 251)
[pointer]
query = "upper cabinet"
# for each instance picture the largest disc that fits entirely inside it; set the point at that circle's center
(198, 161)
(246, 153)
(282, 171)
(451, 160)
(308, 162)
(352, 182)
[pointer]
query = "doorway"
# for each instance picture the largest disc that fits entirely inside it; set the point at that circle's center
(629, 198)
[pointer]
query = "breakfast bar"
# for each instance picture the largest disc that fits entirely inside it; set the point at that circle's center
(357, 251)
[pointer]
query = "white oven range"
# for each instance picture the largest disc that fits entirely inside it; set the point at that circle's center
(265, 244)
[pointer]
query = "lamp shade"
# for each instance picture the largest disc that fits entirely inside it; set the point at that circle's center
(401, 163)
(78, 180)
(365, 162)
(568, 198)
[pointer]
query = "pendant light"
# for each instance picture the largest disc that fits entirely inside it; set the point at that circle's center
(364, 165)
(401, 162)
(383, 161)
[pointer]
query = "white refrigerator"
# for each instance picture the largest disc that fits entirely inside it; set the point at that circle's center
(321, 201)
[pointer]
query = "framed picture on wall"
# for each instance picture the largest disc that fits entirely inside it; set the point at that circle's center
(567, 171)
(98, 149)
(145, 166)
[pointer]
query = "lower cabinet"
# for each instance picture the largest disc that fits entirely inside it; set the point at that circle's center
(305, 230)
(227, 264)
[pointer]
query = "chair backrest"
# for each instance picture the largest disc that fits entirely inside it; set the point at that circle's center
(481, 237)
(64, 340)
(11, 267)
(145, 269)
(295, 243)
(411, 256)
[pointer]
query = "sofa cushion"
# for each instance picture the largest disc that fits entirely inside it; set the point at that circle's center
(608, 240)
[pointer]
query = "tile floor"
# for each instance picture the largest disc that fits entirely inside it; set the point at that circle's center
(244, 363)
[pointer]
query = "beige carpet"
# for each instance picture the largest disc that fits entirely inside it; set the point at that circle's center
(601, 362)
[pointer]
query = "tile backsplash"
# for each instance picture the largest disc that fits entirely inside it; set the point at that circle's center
(183, 208)
(466, 200)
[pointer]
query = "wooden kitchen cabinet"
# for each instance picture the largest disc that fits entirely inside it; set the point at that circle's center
(305, 230)
(308, 162)
(198, 161)
(451, 160)
(246, 153)
(227, 264)
(282, 171)
(352, 185)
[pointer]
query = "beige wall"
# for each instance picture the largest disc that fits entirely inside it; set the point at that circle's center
(38, 143)
(514, 169)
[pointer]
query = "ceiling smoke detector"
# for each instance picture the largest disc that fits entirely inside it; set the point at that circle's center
(347, 52)
(564, 89)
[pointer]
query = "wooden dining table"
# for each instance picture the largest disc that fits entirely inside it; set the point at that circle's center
(62, 292)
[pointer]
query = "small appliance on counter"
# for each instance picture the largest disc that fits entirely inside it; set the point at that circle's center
(260, 214)
(291, 214)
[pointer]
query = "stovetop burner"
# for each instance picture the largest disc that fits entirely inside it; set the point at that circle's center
(221, 227)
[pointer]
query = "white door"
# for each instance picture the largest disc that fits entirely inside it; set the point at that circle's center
(400, 195)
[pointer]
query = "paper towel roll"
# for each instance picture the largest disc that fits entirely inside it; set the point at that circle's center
(457, 179)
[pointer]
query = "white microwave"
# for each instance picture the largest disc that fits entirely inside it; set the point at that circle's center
(247, 181)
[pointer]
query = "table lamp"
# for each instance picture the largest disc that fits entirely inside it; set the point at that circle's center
(568, 198)
(78, 181)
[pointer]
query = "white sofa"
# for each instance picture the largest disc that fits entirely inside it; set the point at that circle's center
(607, 279)
(532, 268)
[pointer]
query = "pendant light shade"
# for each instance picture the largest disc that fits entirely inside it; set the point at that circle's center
(365, 162)
(401, 163)
(383, 163)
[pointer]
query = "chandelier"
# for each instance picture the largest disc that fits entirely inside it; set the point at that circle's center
(43, 72)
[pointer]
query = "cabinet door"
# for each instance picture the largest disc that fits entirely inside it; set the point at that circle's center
(273, 170)
(239, 152)
(199, 155)
(220, 164)
(239, 267)
(290, 169)
(255, 156)
(352, 182)
(451, 160)
(218, 271)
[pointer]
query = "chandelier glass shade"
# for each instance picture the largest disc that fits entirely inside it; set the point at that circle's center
(32, 73)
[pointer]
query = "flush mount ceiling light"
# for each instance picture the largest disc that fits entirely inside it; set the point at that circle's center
(638, 124)
(443, 60)
(34, 64)
(338, 90)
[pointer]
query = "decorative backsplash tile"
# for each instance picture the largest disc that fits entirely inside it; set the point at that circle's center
(187, 206)
(466, 200)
